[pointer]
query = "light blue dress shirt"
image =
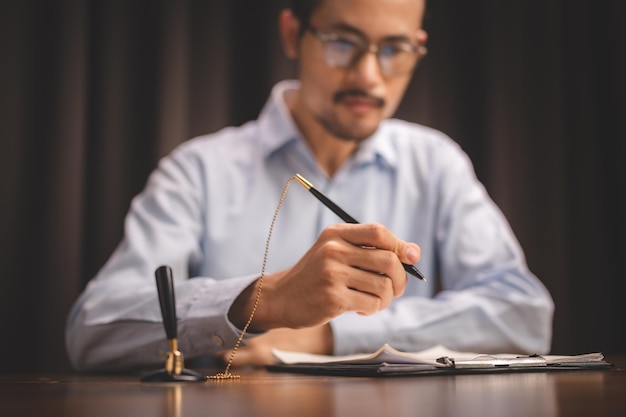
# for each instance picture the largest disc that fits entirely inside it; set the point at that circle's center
(206, 212)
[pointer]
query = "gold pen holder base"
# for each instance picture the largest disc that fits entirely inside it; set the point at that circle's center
(162, 375)
(174, 371)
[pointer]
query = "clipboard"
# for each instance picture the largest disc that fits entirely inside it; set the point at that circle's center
(387, 362)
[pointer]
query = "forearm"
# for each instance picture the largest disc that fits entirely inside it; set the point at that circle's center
(488, 319)
(113, 328)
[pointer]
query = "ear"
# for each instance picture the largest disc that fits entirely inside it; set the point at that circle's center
(422, 37)
(289, 27)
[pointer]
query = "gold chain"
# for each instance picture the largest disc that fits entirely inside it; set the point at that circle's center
(226, 374)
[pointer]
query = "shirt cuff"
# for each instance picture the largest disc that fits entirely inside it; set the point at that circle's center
(206, 327)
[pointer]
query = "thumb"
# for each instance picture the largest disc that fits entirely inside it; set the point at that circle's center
(409, 253)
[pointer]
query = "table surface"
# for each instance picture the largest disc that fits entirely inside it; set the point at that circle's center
(260, 393)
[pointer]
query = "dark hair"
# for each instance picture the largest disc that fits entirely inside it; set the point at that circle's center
(303, 9)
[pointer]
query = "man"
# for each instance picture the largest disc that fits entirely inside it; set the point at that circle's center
(330, 287)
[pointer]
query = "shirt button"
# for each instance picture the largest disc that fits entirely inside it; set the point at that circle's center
(217, 341)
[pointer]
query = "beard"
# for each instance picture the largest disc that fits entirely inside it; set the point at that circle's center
(356, 131)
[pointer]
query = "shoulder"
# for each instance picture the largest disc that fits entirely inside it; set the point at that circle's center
(209, 158)
(227, 142)
(228, 146)
(426, 146)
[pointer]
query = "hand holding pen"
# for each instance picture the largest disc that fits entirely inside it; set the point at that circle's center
(411, 269)
(350, 267)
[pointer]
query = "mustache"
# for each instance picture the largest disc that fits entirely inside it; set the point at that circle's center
(340, 95)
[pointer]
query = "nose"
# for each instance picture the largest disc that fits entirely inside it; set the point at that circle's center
(366, 70)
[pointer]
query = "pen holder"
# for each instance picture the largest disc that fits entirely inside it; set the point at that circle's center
(174, 370)
(164, 375)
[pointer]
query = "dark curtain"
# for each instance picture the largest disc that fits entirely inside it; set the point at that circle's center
(93, 93)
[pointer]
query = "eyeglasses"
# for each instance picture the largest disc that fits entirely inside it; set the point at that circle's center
(395, 57)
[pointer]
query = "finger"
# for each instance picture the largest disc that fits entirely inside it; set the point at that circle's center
(387, 273)
(364, 269)
(377, 236)
(353, 289)
(372, 284)
(243, 357)
(363, 303)
(410, 253)
(223, 355)
(254, 356)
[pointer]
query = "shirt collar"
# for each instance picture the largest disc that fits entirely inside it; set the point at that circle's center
(278, 129)
(275, 121)
(378, 148)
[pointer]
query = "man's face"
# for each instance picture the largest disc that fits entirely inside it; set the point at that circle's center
(350, 102)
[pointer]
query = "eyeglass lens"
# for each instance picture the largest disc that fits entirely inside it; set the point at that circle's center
(393, 57)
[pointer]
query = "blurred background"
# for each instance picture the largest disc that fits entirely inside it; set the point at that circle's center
(93, 93)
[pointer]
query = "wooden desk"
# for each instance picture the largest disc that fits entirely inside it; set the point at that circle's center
(261, 393)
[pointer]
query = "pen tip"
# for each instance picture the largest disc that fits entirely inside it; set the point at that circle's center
(412, 269)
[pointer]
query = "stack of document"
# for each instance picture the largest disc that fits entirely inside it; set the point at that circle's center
(388, 361)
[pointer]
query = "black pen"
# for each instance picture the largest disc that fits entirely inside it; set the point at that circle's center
(411, 269)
